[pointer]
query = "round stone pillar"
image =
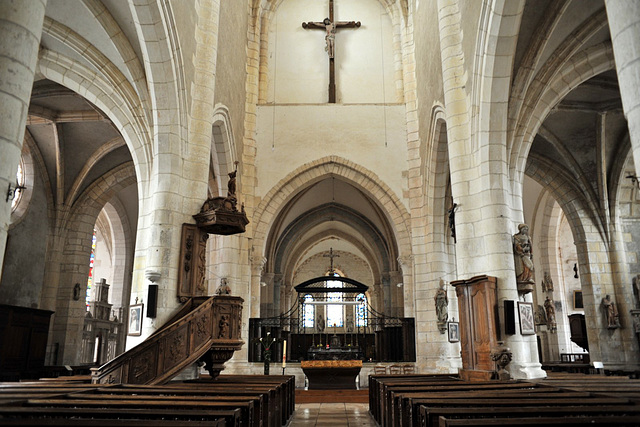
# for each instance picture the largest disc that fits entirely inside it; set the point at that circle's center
(624, 25)
(20, 30)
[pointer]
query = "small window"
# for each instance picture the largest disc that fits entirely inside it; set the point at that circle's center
(17, 195)
(309, 312)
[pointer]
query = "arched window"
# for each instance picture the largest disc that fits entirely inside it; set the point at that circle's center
(20, 184)
(309, 312)
(361, 310)
(334, 311)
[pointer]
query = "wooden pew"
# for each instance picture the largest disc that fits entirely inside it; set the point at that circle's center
(262, 401)
(400, 397)
(430, 416)
(378, 385)
(236, 414)
(506, 401)
(285, 388)
(618, 421)
(37, 416)
(414, 401)
(249, 405)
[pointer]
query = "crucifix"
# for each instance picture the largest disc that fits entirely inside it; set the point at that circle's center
(330, 27)
(332, 256)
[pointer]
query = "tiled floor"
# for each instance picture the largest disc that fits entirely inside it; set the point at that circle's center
(332, 414)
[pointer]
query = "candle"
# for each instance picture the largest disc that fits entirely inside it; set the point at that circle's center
(284, 354)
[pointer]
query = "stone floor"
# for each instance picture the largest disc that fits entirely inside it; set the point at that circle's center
(332, 414)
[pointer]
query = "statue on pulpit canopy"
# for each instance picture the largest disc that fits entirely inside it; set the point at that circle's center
(523, 258)
(223, 288)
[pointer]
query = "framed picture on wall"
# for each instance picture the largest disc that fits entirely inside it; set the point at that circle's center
(527, 324)
(135, 319)
(454, 331)
(577, 300)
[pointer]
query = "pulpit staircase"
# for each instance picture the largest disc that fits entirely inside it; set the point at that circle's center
(204, 329)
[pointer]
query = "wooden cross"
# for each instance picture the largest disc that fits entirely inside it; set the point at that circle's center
(332, 256)
(330, 27)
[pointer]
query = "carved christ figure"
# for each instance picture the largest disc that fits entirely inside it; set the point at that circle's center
(330, 29)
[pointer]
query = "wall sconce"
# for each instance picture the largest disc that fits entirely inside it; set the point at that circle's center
(634, 180)
(11, 191)
(575, 271)
(400, 285)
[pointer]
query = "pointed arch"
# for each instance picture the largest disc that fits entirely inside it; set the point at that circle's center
(368, 182)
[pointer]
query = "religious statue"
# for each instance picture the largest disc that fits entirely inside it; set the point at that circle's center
(349, 322)
(320, 323)
(224, 327)
(223, 287)
(76, 292)
(231, 186)
(522, 253)
(635, 285)
(330, 29)
(452, 220)
(611, 313)
(442, 309)
(550, 311)
(547, 283)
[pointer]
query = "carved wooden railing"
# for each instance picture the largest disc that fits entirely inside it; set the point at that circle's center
(208, 332)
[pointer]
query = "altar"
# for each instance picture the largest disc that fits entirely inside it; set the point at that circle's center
(331, 374)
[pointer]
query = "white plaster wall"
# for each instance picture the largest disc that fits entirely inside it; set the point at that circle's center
(299, 66)
(291, 136)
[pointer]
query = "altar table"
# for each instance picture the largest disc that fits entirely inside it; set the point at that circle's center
(331, 374)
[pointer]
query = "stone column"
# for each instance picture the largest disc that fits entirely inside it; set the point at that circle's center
(624, 25)
(20, 30)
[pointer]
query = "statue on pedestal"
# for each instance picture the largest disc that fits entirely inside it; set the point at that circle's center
(442, 306)
(523, 257)
(611, 313)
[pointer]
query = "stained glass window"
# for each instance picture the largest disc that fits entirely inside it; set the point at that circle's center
(334, 311)
(361, 311)
(309, 312)
(91, 262)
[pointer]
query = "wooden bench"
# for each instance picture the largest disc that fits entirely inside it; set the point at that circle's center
(379, 383)
(430, 416)
(400, 397)
(546, 401)
(425, 401)
(38, 416)
(243, 401)
(618, 421)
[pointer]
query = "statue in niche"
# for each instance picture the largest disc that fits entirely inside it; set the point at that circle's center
(224, 327)
(223, 287)
(611, 313)
(547, 283)
(523, 257)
